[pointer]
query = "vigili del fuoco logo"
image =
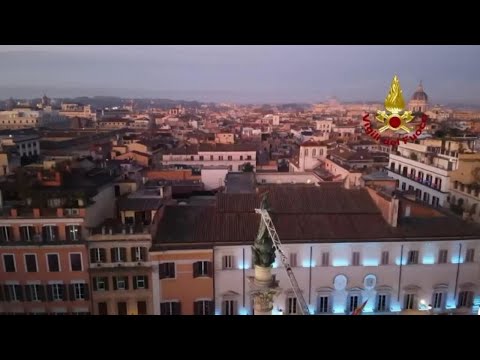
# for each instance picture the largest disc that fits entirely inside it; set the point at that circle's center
(394, 119)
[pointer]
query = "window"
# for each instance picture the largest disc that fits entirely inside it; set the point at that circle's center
(202, 268)
(293, 259)
(211, 157)
(465, 299)
(241, 157)
(442, 256)
(438, 300)
(102, 308)
(470, 255)
(98, 255)
(192, 157)
(412, 257)
(122, 308)
(73, 232)
(53, 263)
(141, 308)
(78, 292)
(385, 258)
(139, 253)
(352, 303)
(229, 307)
(229, 157)
(203, 307)
(404, 186)
(323, 304)
(50, 233)
(13, 292)
(355, 258)
(314, 152)
(220, 157)
(100, 283)
(27, 233)
(227, 262)
(382, 302)
(76, 262)
(35, 292)
(201, 157)
(170, 308)
(249, 157)
(9, 263)
(325, 259)
(409, 302)
(57, 292)
(119, 254)
(140, 282)
(306, 152)
(120, 283)
(5, 234)
(31, 262)
(166, 270)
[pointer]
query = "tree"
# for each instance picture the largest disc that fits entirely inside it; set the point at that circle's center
(247, 167)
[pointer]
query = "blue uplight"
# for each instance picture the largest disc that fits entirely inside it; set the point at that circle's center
(455, 259)
(395, 308)
(306, 263)
(428, 260)
(244, 266)
(370, 262)
(451, 304)
(243, 311)
(340, 262)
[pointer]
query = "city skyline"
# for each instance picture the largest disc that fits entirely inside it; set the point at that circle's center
(240, 74)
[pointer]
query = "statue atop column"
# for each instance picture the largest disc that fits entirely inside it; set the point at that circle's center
(263, 286)
(263, 249)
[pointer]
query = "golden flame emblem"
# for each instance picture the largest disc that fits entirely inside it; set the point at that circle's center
(394, 118)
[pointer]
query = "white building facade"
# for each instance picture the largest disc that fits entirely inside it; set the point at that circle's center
(419, 168)
(336, 278)
(234, 160)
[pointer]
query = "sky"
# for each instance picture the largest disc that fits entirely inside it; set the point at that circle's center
(241, 73)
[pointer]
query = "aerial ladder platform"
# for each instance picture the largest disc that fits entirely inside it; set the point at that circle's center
(267, 220)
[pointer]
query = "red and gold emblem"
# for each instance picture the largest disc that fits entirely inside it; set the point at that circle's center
(394, 117)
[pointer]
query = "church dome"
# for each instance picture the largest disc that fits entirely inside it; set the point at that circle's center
(419, 94)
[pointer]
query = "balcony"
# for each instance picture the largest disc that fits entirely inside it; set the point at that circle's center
(427, 163)
(418, 180)
(119, 229)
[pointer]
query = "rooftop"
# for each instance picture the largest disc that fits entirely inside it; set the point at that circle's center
(300, 214)
(240, 182)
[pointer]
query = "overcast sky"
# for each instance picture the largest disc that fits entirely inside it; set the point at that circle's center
(240, 73)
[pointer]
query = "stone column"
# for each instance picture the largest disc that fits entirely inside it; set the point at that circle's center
(264, 288)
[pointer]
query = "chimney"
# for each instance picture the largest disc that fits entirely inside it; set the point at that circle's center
(393, 211)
